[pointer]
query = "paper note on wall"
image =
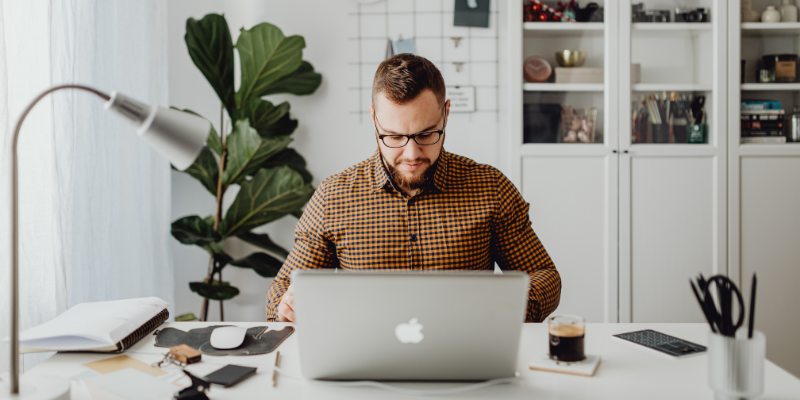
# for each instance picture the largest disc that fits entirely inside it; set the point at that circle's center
(462, 98)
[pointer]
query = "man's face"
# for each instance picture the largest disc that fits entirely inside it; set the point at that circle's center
(410, 166)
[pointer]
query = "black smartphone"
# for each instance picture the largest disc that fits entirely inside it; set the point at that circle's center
(230, 375)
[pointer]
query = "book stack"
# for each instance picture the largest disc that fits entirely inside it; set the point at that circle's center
(762, 122)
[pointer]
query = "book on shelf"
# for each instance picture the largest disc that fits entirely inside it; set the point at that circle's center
(762, 117)
(767, 140)
(762, 133)
(761, 125)
(757, 105)
(102, 327)
(762, 112)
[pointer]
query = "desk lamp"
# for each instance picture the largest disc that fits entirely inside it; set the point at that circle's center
(177, 135)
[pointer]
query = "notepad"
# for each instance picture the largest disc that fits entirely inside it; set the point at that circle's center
(106, 326)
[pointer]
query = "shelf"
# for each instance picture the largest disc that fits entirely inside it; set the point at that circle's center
(562, 29)
(670, 87)
(671, 26)
(770, 86)
(766, 149)
(563, 87)
(564, 149)
(770, 28)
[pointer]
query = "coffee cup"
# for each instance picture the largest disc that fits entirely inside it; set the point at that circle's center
(566, 335)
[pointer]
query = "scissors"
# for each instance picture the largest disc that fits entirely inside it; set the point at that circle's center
(723, 316)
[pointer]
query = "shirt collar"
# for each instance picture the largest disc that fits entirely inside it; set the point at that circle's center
(380, 178)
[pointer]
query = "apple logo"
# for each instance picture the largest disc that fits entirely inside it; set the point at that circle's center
(410, 332)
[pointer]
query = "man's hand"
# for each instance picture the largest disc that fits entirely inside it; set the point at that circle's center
(285, 307)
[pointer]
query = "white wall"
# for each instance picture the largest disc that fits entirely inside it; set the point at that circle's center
(330, 136)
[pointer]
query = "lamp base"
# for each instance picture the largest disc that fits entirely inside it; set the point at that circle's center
(36, 387)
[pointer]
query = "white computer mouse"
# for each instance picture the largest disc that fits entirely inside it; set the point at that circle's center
(227, 337)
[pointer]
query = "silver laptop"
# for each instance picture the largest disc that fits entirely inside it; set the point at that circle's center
(409, 326)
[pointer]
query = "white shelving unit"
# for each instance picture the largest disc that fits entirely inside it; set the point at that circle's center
(764, 188)
(613, 214)
(576, 176)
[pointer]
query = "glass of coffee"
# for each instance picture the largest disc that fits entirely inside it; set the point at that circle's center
(566, 334)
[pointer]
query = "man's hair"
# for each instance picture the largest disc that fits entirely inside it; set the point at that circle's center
(403, 77)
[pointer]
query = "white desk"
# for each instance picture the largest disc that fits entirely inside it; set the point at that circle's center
(626, 371)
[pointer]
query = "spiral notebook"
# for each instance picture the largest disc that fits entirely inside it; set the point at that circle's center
(104, 327)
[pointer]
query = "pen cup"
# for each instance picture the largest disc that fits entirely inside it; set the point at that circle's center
(736, 366)
(696, 133)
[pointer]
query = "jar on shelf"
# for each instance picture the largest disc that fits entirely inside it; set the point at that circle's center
(794, 134)
(784, 65)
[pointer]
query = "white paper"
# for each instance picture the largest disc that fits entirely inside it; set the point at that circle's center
(134, 385)
(93, 325)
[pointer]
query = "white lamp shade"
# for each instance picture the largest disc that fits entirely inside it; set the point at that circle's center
(176, 135)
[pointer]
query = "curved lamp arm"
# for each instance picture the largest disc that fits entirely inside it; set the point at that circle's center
(176, 135)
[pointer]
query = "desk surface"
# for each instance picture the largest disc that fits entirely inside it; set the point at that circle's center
(626, 371)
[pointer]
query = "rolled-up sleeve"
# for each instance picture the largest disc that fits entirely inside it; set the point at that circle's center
(518, 248)
(313, 248)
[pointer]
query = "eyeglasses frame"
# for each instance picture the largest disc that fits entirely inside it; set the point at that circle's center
(413, 136)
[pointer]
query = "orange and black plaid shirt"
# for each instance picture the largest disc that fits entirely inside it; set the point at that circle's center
(469, 217)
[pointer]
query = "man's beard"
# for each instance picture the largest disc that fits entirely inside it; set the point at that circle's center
(413, 182)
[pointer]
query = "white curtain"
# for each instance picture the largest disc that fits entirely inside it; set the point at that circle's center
(94, 199)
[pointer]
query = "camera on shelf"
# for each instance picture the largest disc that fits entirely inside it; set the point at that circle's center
(639, 14)
(691, 15)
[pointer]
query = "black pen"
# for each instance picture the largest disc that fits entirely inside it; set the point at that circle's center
(752, 308)
(703, 307)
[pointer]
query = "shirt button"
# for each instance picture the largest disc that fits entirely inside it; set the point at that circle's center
(414, 238)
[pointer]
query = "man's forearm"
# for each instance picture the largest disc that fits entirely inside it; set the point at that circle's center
(274, 294)
(544, 294)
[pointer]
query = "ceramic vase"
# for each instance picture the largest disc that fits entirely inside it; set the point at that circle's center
(788, 12)
(771, 15)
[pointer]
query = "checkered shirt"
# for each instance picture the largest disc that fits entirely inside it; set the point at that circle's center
(468, 218)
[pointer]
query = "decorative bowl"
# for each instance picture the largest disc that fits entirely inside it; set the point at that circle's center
(570, 58)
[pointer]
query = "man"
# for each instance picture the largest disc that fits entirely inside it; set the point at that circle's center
(413, 206)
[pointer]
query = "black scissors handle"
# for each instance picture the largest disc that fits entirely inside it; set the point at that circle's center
(723, 316)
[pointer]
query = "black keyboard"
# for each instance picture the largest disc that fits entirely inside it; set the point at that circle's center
(662, 342)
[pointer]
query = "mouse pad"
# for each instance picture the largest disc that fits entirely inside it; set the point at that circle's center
(258, 340)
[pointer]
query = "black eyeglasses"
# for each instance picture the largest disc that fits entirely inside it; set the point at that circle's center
(422, 138)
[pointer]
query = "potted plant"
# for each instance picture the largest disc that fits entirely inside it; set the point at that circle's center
(272, 177)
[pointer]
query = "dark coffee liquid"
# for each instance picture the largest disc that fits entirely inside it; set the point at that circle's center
(566, 343)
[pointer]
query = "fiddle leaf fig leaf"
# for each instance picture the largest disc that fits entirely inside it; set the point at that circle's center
(214, 291)
(284, 127)
(262, 263)
(242, 145)
(205, 170)
(266, 55)
(292, 159)
(262, 240)
(271, 194)
(262, 113)
(193, 230)
(211, 49)
(302, 81)
(268, 148)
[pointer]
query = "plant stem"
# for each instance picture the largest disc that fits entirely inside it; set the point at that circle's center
(204, 308)
(217, 216)
(221, 311)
